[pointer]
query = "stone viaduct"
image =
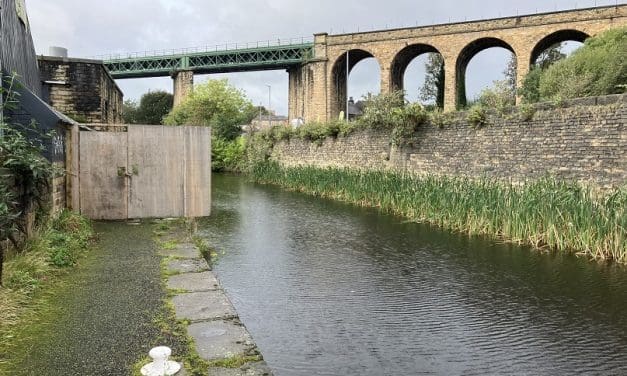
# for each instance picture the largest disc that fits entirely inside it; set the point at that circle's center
(317, 89)
(318, 71)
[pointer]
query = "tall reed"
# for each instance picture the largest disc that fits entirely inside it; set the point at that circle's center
(547, 214)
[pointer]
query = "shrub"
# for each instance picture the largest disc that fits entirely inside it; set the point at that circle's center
(598, 68)
(477, 116)
(440, 118)
(500, 96)
(227, 155)
(526, 112)
(530, 90)
(381, 111)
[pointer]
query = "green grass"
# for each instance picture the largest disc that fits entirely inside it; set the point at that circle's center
(57, 246)
(546, 214)
(235, 361)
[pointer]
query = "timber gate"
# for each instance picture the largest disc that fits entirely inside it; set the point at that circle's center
(140, 171)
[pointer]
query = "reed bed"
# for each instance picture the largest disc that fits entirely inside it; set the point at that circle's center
(547, 214)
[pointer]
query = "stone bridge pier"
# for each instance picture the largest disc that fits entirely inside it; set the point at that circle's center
(183, 85)
(317, 88)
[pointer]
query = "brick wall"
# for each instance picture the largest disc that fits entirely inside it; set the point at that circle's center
(584, 141)
(81, 89)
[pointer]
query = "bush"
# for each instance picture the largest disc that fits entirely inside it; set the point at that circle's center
(215, 103)
(391, 112)
(498, 97)
(440, 118)
(227, 155)
(598, 68)
(530, 90)
(477, 116)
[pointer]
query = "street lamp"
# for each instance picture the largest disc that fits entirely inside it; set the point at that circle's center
(269, 104)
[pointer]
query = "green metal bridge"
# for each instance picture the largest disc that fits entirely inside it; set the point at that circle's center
(279, 54)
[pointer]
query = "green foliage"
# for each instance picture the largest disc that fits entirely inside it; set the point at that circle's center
(25, 175)
(477, 116)
(433, 89)
(498, 97)
(217, 104)
(530, 90)
(227, 155)
(316, 132)
(391, 112)
(152, 108)
(440, 118)
(597, 68)
(546, 213)
(381, 111)
(58, 244)
(526, 112)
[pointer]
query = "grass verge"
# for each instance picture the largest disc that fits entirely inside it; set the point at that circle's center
(547, 214)
(34, 270)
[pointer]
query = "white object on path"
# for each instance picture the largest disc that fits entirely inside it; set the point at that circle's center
(160, 365)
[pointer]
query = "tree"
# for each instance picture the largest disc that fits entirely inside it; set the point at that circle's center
(597, 68)
(217, 104)
(153, 106)
(433, 88)
(530, 90)
(550, 56)
(511, 73)
(129, 111)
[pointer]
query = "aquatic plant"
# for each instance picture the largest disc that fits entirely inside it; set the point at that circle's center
(547, 213)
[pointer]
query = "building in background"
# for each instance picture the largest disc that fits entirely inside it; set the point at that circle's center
(80, 88)
(262, 122)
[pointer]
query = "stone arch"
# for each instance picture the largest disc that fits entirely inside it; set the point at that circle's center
(555, 38)
(402, 60)
(339, 78)
(464, 58)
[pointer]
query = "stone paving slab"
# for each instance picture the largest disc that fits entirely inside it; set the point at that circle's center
(249, 369)
(220, 339)
(187, 266)
(209, 305)
(185, 251)
(194, 282)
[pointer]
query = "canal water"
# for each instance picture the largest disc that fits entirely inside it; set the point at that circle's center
(326, 288)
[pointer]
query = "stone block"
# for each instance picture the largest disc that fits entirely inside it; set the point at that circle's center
(248, 369)
(184, 251)
(187, 266)
(221, 339)
(197, 306)
(203, 281)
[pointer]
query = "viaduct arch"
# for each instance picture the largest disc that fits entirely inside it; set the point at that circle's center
(318, 86)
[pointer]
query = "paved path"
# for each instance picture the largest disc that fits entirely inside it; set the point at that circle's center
(215, 326)
(105, 314)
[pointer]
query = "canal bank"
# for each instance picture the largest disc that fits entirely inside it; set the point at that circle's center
(141, 285)
(217, 340)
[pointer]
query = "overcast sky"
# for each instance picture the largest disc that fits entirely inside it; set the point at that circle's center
(90, 28)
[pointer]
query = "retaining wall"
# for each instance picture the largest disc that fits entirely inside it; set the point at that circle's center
(583, 140)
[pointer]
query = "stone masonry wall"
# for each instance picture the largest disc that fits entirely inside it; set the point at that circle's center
(81, 89)
(585, 141)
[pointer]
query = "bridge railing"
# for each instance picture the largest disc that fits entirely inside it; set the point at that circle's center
(279, 42)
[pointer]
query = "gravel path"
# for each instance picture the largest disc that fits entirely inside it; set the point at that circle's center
(105, 312)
